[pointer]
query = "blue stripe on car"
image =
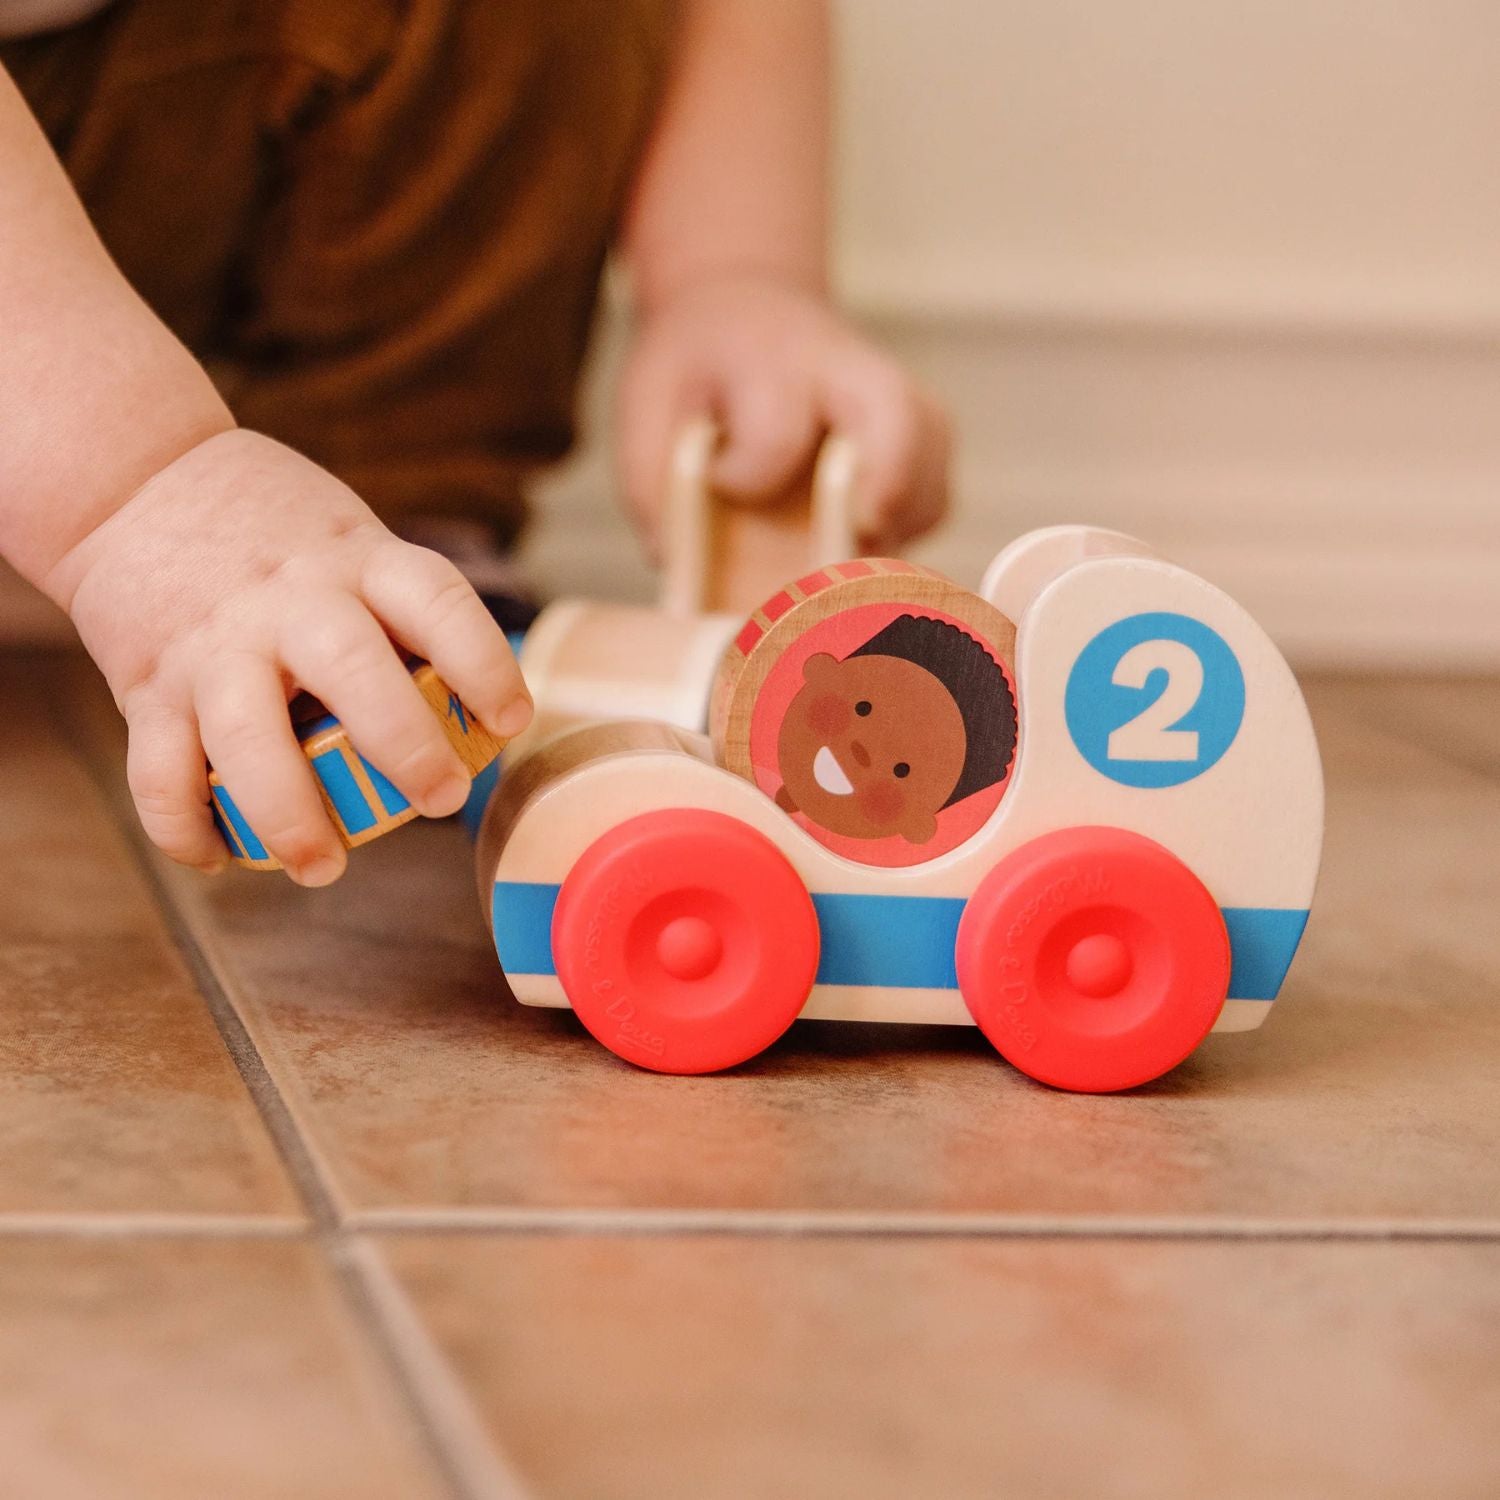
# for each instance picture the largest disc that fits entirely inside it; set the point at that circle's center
(899, 942)
(1262, 943)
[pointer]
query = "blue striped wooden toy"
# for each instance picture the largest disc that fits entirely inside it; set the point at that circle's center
(362, 804)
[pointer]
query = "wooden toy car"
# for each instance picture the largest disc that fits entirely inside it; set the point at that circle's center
(1095, 835)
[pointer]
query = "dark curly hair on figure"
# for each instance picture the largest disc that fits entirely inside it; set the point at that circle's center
(975, 681)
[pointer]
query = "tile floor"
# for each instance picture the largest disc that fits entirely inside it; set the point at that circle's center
(294, 1201)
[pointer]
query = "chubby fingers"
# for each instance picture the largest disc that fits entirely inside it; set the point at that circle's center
(769, 420)
(429, 605)
(771, 424)
(168, 779)
(248, 738)
(341, 654)
(903, 440)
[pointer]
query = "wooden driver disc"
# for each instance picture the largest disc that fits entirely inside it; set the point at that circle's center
(361, 803)
(875, 701)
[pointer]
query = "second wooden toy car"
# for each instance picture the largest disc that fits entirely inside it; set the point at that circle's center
(1094, 835)
(362, 804)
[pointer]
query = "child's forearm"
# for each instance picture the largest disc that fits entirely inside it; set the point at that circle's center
(735, 175)
(96, 395)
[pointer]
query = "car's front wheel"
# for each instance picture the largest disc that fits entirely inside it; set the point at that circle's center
(1093, 959)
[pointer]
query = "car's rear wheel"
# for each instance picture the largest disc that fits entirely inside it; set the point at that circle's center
(1093, 959)
(685, 941)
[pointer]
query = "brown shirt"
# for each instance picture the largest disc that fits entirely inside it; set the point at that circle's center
(380, 222)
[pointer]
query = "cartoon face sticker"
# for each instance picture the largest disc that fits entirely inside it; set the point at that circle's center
(871, 746)
(913, 721)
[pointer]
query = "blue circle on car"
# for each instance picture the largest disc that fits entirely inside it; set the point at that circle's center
(1155, 700)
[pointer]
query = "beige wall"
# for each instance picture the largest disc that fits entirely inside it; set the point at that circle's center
(1224, 273)
(1303, 162)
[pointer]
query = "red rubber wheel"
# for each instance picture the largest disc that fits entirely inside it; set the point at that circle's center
(685, 941)
(1093, 959)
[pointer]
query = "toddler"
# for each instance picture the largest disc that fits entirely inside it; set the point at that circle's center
(274, 273)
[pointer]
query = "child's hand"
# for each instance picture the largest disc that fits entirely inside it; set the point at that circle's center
(777, 369)
(239, 573)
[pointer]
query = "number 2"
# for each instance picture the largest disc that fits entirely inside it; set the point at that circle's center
(1150, 735)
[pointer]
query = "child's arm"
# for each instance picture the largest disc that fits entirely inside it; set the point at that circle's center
(208, 569)
(725, 243)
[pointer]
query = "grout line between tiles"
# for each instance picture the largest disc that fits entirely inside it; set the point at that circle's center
(426, 1389)
(307, 1179)
(466, 1470)
(301, 1164)
(815, 1224)
(475, 1468)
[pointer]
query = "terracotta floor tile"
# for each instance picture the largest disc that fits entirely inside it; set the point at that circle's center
(184, 1370)
(119, 1095)
(1368, 1097)
(611, 1368)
